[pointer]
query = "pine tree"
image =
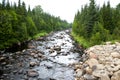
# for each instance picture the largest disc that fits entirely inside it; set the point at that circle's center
(8, 5)
(92, 18)
(3, 4)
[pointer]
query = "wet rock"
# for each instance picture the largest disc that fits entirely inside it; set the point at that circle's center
(57, 48)
(15, 71)
(3, 63)
(2, 59)
(52, 79)
(32, 64)
(32, 54)
(40, 55)
(23, 50)
(1, 72)
(79, 73)
(35, 56)
(21, 71)
(51, 50)
(41, 39)
(47, 47)
(77, 67)
(32, 73)
(31, 47)
(116, 76)
(53, 54)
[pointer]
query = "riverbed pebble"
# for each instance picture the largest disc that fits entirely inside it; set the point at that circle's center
(32, 73)
(103, 63)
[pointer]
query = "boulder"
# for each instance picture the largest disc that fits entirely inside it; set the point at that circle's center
(116, 76)
(115, 55)
(102, 74)
(92, 62)
(104, 77)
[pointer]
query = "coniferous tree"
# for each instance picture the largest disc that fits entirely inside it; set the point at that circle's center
(18, 25)
(92, 18)
(94, 25)
(8, 5)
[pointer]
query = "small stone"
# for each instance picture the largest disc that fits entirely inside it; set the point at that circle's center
(36, 55)
(20, 71)
(79, 73)
(92, 55)
(51, 50)
(32, 64)
(15, 71)
(88, 70)
(32, 54)
(77, 66)
(57, 48)
(32, 73)
(3, 63)
(88, 77)
(100, 66)
(40, 55)
(2, 59)
(94, 67)
(31, 47)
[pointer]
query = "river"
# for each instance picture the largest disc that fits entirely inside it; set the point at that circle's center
(48, 58)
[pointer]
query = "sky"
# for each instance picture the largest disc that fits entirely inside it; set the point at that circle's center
(65, 9)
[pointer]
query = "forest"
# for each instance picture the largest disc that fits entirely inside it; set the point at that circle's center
(94, 25)
(19, 24)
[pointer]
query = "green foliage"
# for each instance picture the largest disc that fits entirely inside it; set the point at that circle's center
(17, 24)
(79, 39)
(31, 28)
(96, 25)
(43, 33)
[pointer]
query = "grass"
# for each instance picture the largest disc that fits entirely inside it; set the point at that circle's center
(43, 33)
(81, 41)
(87, 43)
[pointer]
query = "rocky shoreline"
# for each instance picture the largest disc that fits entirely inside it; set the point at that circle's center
(100, 62)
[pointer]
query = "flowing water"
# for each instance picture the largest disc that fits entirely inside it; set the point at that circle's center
(48, 58)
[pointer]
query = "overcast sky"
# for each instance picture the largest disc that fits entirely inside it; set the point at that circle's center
(66, 9)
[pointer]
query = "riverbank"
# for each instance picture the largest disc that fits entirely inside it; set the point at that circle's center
(101, 62)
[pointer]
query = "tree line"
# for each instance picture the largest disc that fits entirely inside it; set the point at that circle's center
(94, 25)
(18, 24)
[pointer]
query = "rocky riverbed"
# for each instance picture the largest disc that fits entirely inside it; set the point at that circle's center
(56, 57)
(47, 58)
(101, 62)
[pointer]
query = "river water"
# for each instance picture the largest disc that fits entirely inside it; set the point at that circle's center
(48, 58)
